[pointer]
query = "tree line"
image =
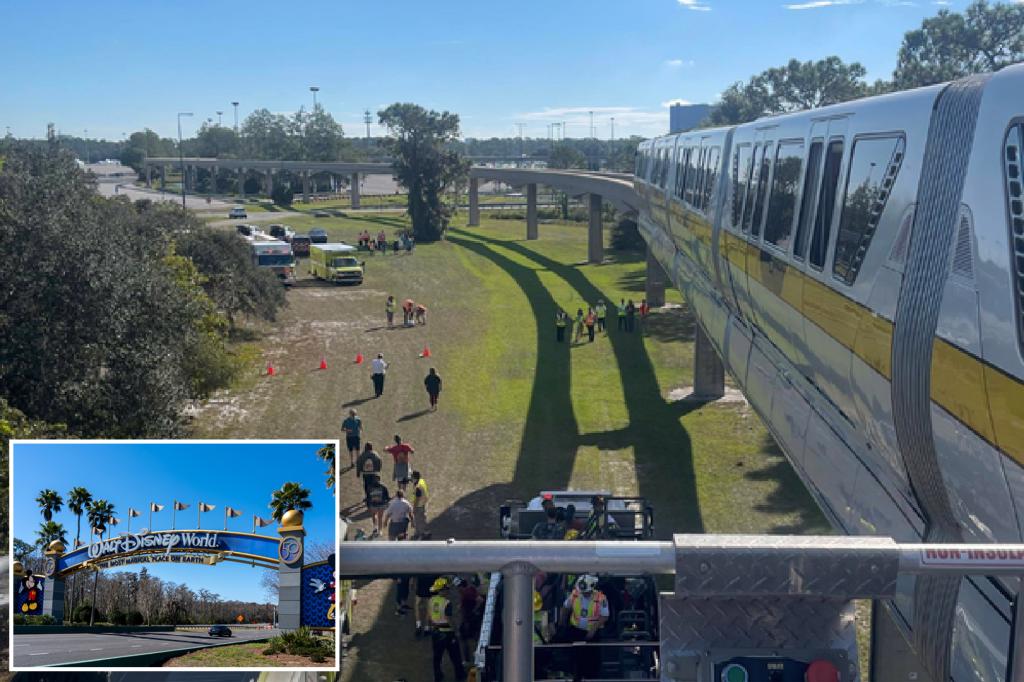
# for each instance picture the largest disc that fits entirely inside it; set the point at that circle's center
(947, 46)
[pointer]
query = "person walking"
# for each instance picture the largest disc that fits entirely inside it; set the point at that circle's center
(402, 594)
(602, 313)
(421, 602)
(407, 306)
(401, 453)
(376, 502)
(590, 320)
(352, 427)
(382, 243)
(419, 508)
(389, 310)
(621, 312)
(561, 320)
(645, 310)
(398, 515)
(368, 466)
(377, 369)
(578, 325)
(471, 611)
(421, 313)
(630, 316)
(442, 632)
(433, 384)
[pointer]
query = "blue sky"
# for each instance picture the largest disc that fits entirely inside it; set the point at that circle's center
(121, 65)
(242, 476)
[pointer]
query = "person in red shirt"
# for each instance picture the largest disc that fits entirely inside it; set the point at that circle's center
(407, 306)
(421, 313)
(401, 453)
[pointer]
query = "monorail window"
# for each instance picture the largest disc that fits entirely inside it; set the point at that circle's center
(826, 203)
(811, 176)
(691, 175)
(681, 171)
(698, 190)
(782, 201)
(762, 189)
(874, 164)
(711, 177)
(740, 180)
(751, 189)
(664, 168)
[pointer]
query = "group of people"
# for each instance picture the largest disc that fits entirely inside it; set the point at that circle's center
(404, 240)
(379, 372)
(413, 313)
(596, 320)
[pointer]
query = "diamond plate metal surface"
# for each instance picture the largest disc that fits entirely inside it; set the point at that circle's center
(695, 631)
(825, 566)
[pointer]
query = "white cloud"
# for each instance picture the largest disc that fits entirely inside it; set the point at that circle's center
(672, 102)
(942, 3)
(695, 5)
(679, 63)
(815, 4)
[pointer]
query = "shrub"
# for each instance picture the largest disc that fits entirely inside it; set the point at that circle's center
(40, 620)
(282, 194)
(316, 657)
(19, 619)
(135, 618)
(81, 614)
(118, 617)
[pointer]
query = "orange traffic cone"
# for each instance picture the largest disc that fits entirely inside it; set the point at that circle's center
(323, 362)
(270, 369)
(359, 358)
(426, 352)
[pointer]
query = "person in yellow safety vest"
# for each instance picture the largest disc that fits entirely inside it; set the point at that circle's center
(389, 308)
(602, 313)
(621, 311)
(587, 608)
(442, 630)
(561, 320)
(541, 635)
(419, 505)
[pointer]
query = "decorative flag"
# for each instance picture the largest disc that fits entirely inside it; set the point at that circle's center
(180, 506)
(206, 507)
(234, 513)
(153, 506)
(261, 522)
(113, 522)
(177, 507)
(132, 513)
(203, 507)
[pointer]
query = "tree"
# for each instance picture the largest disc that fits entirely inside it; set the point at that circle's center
(214, 141)
(78, 499)
(49, 502)
(99, 514)
(326, 453)
(290, 496)
(418, 141)
(564, 156)
(22, 549)
(270, 136)
(282, 194)
(322, 137)
(793, 87)
(951, 45)
(50, 531)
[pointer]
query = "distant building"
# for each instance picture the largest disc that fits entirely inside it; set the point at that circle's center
(683, 117)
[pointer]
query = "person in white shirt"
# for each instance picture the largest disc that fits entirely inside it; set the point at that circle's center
(377, 369)
(398, 515)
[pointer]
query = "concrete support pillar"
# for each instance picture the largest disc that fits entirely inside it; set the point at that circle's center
(531, 211)
(53, 586)
(149, 176)
(654, 286)
(269, 182)
(305, 187)
(241, 183)
(517, 622)
(595, 234)
(474, 202)
(213, 180)
(289, 590)
(708, 371)
(163, 178)
(355, 190)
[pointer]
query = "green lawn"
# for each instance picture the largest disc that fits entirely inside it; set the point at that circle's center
(248, 655)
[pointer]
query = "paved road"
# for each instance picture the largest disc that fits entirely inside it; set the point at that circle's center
(37, 650)
(216, 676)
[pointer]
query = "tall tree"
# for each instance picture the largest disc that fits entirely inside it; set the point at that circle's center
(793, 87)
(214, 141)
(952, 45)
(78, 500)
(270, 136)
(49, 502)
(565, 156)
(50, 531)
(22, 549)
(99, 515)
(419, 140)
(322, 137)
(290, 496)
(326, 453)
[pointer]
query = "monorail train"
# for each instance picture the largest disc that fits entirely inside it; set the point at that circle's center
(860, 271)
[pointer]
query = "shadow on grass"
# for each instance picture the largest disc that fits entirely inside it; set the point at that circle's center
(413, 415)
(789, 497)
(387, 221)
(671, 324)
(661, 446)
(634, 280)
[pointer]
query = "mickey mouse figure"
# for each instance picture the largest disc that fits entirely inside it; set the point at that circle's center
(28, 588)
(319, 586)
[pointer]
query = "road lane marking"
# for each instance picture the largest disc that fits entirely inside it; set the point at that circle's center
(136, 646)
(42, 653)
(100, 649)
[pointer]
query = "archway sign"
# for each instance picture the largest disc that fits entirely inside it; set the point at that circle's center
(311, 586)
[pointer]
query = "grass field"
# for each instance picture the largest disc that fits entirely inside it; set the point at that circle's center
(519, 412)
(248, 655)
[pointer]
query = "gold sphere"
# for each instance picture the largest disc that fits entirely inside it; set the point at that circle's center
(18, 569)
(292, 519)
(56, 546)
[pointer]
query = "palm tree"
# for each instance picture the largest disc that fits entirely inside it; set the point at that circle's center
(99, 513)
(78, 500)
(290, 496)
(50, 531)
(326, 453)
(49, 502)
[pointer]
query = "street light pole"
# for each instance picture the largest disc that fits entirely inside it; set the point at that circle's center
(314, 89)
(181, 156)
(219, 114)
(235, 105)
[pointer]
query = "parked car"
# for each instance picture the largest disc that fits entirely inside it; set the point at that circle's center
(244, 230)
(219, 631)
(318, 235)
(321, 214)
(300, 245)
(282, 232)
(238, 212)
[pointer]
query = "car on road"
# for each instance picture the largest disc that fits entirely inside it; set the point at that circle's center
(219, 631)
(318, 235)
(321, 214)
(300, 245)
(282, 232)
(244, 230)
(335, 263)
(238, 212)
